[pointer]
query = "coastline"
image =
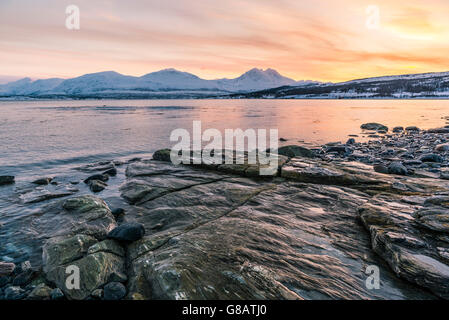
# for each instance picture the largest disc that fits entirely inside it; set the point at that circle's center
(326, 211)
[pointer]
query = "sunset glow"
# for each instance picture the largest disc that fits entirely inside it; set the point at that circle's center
(320, 40)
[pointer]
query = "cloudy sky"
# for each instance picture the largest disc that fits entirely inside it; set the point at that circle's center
(323, 40)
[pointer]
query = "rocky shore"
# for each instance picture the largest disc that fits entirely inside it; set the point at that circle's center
(224, 232)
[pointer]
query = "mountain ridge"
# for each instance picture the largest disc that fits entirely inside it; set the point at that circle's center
(255, 83)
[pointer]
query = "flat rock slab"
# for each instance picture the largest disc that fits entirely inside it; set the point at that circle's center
(212, 235)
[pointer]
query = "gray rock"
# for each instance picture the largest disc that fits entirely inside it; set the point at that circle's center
(374, 126)
(431, 157)
(397, 168)
(381, 168)
(6, 268)
(114, 291)
(57, 294)
(294, 151)
(412, 128)
(42, 181)
(398, 129)
(111, 172)
(350, 141)
(130, 231)
(41, 292)
(162, 155)
(100, 177)
(4, 180)
(97, 185)
(14, 293)
(442, 147)
(97, 294)
(118, 212)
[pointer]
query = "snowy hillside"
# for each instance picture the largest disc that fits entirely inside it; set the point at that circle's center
(112, 84)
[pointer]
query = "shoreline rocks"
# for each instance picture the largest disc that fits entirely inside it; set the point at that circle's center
(5, 180)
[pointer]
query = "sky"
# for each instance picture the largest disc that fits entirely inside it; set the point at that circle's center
(324, 40)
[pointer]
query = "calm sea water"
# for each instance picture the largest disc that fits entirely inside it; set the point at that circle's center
(38, 136)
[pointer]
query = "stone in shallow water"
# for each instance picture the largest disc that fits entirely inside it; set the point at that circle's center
(374, 126)
(162, 155)
(4, 180)
(442, 147)
(97, 185)
(42, 181)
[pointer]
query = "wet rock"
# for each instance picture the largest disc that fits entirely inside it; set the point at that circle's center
(97, 294)
(14, 293)
(41, 292)
(127, 232)
(162, 155)
(373, 126)
(431, 157)
(398, 129)
(99, 177)
(433, 219)
(442, 147)
(294, 151)
(396, 239)
(282, 139)
(41, 195)
(6, 268)
(25, 266)
(438, 130)
(114, 291)
(350, 141)
(4, 180)
(58, 251)
(96, 269)
(412, 129)
(42, 181)
(111, 172)
(108, 245)
(339, 149)
(23, 278)
(397, 168)
(381, 168)
(97, 186)
(118, 212)
(57, 294)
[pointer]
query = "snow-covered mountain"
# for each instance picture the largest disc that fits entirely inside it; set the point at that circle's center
(110, 84)
(423, 85)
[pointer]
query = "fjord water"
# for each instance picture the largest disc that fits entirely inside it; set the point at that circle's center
(52, 138)
(39, 135)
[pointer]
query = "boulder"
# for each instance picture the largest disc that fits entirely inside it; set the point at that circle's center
(6, 268)
(114, 291)
(381, 168)
(293, 151)
(397, 168)
(97, 185)
(431, 157)
(14, 293)
(4, 180)
(42, 181)
(162, 155)
(374, 126)
(95, 271)
(41, 292)
(442, 147)
(130, 231)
